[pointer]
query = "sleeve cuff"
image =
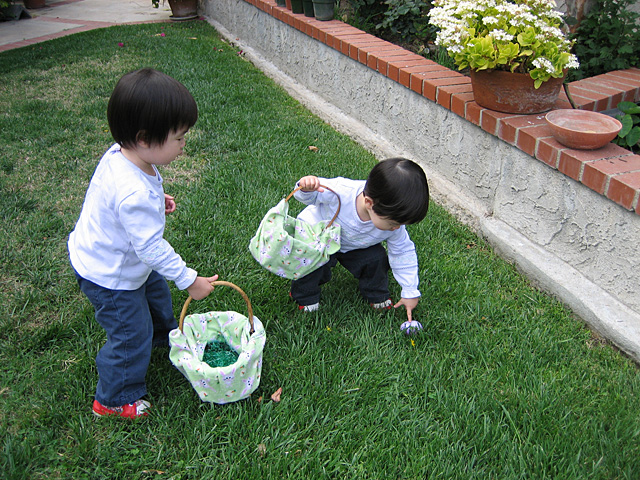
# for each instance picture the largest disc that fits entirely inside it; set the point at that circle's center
(186, 279)
(410, 293)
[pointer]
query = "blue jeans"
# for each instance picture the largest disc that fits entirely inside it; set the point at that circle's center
(369, 265)
(134, 320)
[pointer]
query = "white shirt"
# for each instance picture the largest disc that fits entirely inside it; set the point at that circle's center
(357, 234)
(118, 239)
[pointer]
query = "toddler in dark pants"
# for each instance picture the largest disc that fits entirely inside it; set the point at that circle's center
(395, 194)
(117, 248)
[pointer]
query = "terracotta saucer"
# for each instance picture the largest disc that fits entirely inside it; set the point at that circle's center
(582, 129)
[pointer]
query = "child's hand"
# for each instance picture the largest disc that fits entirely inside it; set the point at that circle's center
(201, 287)
(310, 184)
(169, 204)
(409, 304)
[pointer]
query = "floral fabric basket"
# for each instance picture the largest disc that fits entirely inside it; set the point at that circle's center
(244, 335)
(290, 247)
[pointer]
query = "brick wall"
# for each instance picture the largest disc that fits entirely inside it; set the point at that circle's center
(611, 171)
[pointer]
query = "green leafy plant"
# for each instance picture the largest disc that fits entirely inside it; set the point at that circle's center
(629, 136)
(407, 18)
(522, 36)
(363, 14)
(3, 4)
(607, 39)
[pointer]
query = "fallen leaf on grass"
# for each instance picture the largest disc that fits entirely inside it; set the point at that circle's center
(312, 148)
(276, 395)
(262, 449)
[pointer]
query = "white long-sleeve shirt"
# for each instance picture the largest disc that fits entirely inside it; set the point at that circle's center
(357, 234)
(118, 239)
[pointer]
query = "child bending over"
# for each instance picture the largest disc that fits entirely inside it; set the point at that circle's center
(117, 249)
(373, 211)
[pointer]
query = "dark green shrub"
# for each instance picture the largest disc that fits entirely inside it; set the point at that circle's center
(394, 20)
(629, 136)
(363, 14)
(407, 19)
(607, 39)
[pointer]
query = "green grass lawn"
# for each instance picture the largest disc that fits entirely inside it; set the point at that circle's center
(504, 382)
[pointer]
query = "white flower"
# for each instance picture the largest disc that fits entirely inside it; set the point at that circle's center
(545, 64)
(523, 37)
(502, 35)
(573, 62)
(490, 20)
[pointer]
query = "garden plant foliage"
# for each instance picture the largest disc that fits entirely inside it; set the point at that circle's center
(503, 382)
(519, 37)
(607, 39)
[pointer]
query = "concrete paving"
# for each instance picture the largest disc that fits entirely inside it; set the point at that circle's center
(65, 17)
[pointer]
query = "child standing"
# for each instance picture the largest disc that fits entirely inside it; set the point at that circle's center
(395, 194)
(117, 249)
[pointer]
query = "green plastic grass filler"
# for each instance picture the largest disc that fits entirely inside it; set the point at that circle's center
(218, 353)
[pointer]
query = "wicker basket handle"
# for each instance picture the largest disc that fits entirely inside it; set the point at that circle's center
(323, 186)
(220, 282)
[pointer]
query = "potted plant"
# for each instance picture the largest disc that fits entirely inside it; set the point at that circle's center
(180, 9)
(10, 10)
(34, 4)
(518, 40)
(323, 9)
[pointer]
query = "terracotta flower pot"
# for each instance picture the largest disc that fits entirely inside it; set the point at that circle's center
(33, 4)
(513, 92)
(183, 9)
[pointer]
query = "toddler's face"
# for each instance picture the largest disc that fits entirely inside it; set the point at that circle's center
(167, 152)
(383, 223)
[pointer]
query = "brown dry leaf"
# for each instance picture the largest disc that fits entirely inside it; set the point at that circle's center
(312, 148)
(276, 395)
(262, 449)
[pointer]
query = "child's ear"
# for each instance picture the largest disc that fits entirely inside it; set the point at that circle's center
(368, 202)
(142, 139)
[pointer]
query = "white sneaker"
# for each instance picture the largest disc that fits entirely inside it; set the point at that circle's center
(309, 308)
(386, 305)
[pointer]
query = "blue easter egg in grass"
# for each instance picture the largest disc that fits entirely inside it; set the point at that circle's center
(411, 327)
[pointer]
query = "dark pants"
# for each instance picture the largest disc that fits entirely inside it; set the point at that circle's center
(134, 320)
(369, 265)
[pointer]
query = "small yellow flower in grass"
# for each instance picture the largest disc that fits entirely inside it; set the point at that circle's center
(328, 329)
(413, 342)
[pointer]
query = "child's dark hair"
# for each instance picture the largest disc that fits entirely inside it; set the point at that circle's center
(399, 190)
(147, 105)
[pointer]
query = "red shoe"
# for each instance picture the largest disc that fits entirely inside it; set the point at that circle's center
(131, 410)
